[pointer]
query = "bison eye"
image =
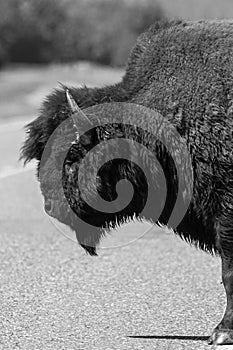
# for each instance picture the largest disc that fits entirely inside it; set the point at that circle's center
(85, 140)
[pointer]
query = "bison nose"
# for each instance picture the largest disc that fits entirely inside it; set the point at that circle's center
(48, 205)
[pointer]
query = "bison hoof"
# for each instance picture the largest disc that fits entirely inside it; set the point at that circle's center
(221, 337)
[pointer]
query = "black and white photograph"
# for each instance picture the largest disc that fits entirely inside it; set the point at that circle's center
(116, 174)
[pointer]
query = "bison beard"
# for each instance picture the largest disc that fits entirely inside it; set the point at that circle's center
(184, 71)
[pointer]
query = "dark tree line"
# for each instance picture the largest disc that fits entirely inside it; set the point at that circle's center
(42, 31)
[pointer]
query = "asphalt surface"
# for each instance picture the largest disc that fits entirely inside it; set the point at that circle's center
(155, 293)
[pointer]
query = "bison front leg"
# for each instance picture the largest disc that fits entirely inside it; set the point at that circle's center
(223, 333)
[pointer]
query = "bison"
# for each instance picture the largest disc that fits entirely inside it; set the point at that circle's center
(184, 72)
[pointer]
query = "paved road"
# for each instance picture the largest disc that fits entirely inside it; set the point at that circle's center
(156, 293)
(11, 139)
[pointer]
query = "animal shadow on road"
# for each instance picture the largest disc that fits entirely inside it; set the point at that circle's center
(171, 337)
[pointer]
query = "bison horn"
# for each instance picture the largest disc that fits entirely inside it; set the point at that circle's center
(75, 108)
(71, 102)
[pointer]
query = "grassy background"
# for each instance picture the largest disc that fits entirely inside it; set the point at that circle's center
(103, 31)
(41, 31)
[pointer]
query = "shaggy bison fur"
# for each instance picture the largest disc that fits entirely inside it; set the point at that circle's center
(183, 70)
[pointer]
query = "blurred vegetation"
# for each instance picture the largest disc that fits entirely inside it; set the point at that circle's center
(198, 9)
(42, 31)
